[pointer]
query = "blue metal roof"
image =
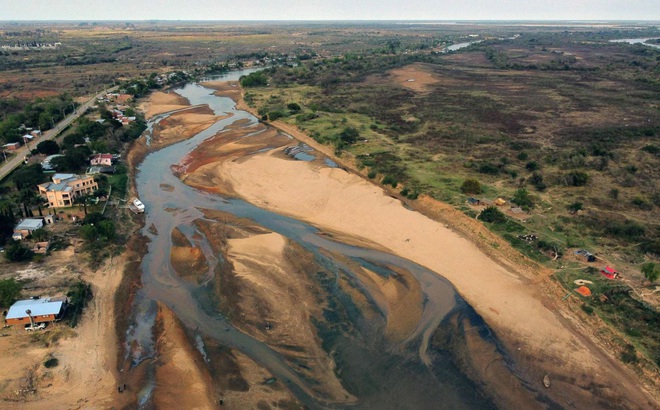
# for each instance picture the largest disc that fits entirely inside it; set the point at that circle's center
(37, 307)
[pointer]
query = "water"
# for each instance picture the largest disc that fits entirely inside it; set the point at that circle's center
(458, 46)
(637, 41)
(380, 375)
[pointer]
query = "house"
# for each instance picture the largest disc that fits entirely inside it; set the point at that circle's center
(101, 159)
(26, 227)
(36, 310)
(609, 272)
(65, 188)
(12, 146)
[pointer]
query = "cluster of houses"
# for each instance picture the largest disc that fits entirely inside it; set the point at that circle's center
(31, 46)
(117, 106)
(30, 135)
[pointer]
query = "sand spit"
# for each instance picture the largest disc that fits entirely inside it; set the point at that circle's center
(182, 380)
(343, 202)
(161, 102)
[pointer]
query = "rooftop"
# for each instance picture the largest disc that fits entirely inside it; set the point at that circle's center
(37, 307)
(30, 224)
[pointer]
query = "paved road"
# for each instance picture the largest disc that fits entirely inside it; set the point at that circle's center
(15, 162)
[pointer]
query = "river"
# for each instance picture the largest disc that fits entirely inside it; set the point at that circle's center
(642, 41)
(414, 375)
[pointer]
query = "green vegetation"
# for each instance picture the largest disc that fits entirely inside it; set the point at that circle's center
(471, 186)
(256, 79)
(651, 271)
(51, 362)
(79, 294)
(16, 252)
(10, 289)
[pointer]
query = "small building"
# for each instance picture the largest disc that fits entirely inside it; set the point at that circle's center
(12, 146)
(41, 247)
(101, 159)
(65, 188)
(40, 310)
(26, 227)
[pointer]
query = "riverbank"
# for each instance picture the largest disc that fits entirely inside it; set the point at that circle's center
(539, 338)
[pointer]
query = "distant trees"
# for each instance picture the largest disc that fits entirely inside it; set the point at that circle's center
(256, 79)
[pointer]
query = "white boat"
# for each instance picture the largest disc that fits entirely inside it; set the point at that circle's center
(138, 205)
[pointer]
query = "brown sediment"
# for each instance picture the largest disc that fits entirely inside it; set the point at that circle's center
(183, 125)
(182, 379)
(188, 260)
(270, 293)
(243, 384)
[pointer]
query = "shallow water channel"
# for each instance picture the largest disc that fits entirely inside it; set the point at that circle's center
(409, 375)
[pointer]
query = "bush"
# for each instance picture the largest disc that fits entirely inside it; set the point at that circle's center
(295, 107)
(532, 166)
(471, 186)
(79, 294)
(629, 355)
(576, 178)
(489, 169)
(10, 289)
(50, 363)
(651, 271)
(349, 135)
(492, 215)
(537, 180)
(390, 180)
(372, 174)
(16, 252)
(48, 147)
(522, 198)
(575, 206)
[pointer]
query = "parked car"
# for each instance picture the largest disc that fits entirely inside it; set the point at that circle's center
(37, 326)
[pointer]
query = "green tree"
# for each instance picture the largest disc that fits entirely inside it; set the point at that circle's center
(522, 198)
(28, 176)
(39, 235)
(471, 186)
(349, 135)
(651, 271)
(492, 215)
(10, 289)
(48, 147)
(16, 252)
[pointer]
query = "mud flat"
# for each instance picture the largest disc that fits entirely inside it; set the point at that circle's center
(539, 339)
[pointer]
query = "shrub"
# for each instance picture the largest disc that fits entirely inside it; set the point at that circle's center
(295, 107)
(576, 178)
(10, 289)
(51, 362)
(629, 355)
(532, 166)
(471, 186)
(537, 180)
(372, 174)
(492, 215)
(349, 135)
(390, 180)
(489, 169)
(16, 252)
(523, 156)
(522, 198)
(575, 206)
(257, 79)
(651, 271)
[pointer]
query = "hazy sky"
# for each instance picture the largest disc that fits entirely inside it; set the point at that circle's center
(330, 10)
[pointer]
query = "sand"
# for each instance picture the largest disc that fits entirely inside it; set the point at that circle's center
(414, 77)
(86, 375)
(508, 301)
(161, 102)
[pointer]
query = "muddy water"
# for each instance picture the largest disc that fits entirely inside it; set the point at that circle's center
(379, 373)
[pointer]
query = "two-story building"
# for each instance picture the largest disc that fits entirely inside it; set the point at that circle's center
(65, 188)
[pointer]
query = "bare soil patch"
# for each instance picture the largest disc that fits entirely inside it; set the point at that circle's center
(414, 77)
